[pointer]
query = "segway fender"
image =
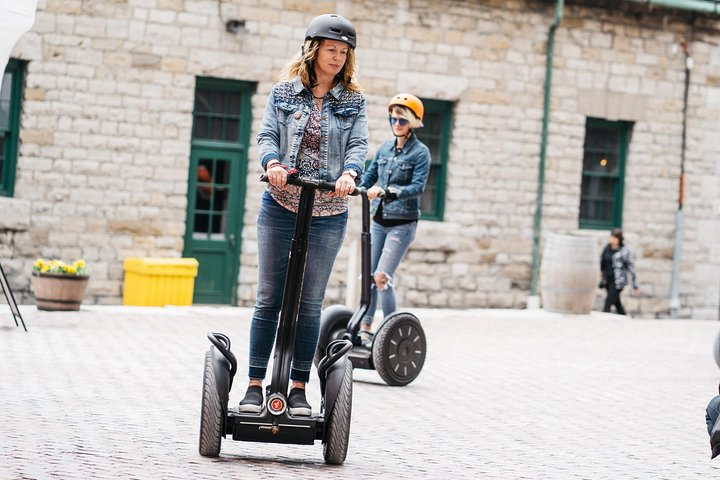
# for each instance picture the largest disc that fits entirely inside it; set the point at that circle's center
(329, 320)
(221, 366)
(333, 383)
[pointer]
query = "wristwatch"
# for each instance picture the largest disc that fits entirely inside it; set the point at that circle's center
(352, 173)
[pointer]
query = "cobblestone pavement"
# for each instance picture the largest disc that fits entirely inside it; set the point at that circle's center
(114, 392)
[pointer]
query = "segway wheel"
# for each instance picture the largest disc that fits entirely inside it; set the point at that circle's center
(399, 349)
(212, 414)
(333, 326)
(716, 349)
(338, 424)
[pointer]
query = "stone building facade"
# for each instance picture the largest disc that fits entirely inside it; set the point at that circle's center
(107, 121)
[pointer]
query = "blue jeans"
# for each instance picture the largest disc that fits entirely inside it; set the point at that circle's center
(389, 245)
(275, 228)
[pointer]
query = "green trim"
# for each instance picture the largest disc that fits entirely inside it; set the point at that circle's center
(705, 6)
(11, 134)
(439, 162)
(623, 130)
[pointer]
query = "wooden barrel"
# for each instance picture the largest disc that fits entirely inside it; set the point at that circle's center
(57, 291)
(569, 274)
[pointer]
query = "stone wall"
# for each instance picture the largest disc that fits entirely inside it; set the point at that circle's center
(103, 164)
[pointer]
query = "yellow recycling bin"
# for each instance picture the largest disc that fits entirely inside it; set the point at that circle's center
(159, 281)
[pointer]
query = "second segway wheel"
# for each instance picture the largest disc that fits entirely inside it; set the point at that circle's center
(716, 349)
(333, 326)
(212, 412)
(399, 349)
(338, 424)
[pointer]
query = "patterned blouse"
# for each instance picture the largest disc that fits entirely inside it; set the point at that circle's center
(308, 164)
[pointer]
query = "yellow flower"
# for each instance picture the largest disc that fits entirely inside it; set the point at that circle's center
(58, 266)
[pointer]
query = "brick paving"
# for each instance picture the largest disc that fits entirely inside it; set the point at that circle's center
(114, 392)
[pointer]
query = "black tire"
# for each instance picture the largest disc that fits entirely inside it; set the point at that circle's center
(338, 424)
(333, 326)
(716, 349)
(399, 349)
(212, 413)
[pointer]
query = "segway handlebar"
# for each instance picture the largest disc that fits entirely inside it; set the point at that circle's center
(294, 178)
(222, 343)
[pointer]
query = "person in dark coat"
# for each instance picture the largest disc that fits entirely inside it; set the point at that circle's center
(616, 261)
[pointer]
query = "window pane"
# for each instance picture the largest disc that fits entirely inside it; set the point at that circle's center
(220, 199)
(218, 225)
(232, 133)
(2, 157)
(201, 126)
(5, 92)
(596, 210)
(601, 187)
(600, 162)
(201, 101)
(222, 172)
(427, 203)
(233, 104)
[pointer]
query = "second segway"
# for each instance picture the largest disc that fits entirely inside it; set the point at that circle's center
(398, 348)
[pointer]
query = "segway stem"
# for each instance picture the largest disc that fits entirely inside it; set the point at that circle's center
(285, 340)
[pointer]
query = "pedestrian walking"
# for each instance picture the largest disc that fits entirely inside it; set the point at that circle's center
(315, 121)
(395, 181)
(616, 261)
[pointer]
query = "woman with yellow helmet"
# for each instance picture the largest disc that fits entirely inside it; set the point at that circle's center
(395, 181)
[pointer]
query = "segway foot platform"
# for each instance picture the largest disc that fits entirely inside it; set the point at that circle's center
(264, 427)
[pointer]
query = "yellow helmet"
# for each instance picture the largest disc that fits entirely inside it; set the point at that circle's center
(410, 101)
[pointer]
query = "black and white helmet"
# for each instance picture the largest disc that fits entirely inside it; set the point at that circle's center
(333, 27)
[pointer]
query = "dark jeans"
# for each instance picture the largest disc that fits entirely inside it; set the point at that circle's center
(613, 298)
(275, 228)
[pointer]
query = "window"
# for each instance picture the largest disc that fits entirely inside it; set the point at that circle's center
(603, 175)
(436, 135)
(10, 97)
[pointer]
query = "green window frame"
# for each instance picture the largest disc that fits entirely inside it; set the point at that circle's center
(10, 107)
(603, 173)
(436, 135)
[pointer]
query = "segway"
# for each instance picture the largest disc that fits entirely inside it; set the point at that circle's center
(274, 423)
(398, 347)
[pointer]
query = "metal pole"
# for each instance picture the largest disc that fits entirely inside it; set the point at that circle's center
(675, 281)
(543, 149)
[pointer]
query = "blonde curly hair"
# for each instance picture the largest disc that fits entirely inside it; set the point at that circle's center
(302, 63)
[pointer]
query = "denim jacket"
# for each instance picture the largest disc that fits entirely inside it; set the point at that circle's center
(343, 124)
(403, 175)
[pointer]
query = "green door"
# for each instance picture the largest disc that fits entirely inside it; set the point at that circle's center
(216, 186)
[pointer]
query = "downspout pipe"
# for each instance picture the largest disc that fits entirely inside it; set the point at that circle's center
(675, 281)
(533, 300)
(704, 6)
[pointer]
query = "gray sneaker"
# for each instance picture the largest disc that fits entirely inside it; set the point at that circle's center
(366, 338)
(297, 404)
(253, 401)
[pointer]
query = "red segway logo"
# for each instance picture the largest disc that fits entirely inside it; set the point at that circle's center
(276, 404)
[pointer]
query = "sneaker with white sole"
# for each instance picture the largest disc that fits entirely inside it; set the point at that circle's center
(366, 338)
(297, 404)
(253, 400)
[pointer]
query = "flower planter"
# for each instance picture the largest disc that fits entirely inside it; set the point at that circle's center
(57, 291)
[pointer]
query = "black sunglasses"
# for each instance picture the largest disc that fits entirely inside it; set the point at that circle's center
(400, 121)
